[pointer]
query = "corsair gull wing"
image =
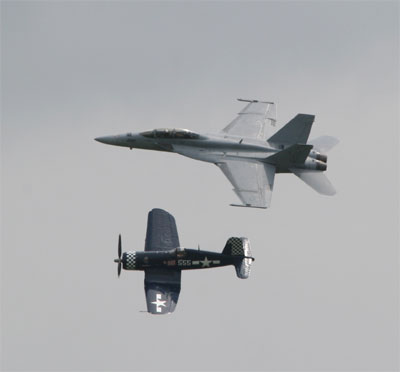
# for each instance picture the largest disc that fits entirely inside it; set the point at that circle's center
(253, 121)
(253, 181)
(162, 288)
(162, 234)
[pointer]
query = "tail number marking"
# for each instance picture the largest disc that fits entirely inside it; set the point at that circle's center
(184, 263)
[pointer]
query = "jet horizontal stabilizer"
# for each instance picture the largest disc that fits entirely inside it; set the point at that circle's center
(316, 180)
(295, 154)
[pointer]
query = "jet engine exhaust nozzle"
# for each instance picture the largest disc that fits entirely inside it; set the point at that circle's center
(321, 166)
(322, 157)
(318, 156)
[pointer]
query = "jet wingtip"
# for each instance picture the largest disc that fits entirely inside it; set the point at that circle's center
(253, 101)
(248, 206)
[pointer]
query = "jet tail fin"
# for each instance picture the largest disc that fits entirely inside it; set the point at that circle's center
(240, 247)
(316, 180)
(296, 130)
(324, 143)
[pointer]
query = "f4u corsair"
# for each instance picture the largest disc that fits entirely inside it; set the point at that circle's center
(246, 152)
(163, 261)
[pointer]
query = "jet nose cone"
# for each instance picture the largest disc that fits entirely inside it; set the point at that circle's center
(109, 140)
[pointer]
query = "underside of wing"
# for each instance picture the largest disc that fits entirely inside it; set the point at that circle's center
(253, 181)
(162, 288)
(162, 234)
(253, 121)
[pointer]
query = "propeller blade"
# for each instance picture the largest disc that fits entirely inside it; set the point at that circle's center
(119, 260)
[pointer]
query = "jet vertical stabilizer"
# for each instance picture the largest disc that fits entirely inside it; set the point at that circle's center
(296, 131)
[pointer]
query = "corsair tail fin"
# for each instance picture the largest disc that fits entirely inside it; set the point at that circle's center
(240, 247)
(316, 180)
(296, 130)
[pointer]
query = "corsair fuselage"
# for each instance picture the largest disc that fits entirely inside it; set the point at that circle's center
(177, 259)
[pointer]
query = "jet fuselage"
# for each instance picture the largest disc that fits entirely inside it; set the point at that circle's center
(211, 148)
(245, 152)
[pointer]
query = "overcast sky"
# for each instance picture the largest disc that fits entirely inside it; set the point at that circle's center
(324, 289)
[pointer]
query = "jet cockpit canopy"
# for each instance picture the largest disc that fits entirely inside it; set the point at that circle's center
(170, 133)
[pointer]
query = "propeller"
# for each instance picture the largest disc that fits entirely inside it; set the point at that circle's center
(119, 260)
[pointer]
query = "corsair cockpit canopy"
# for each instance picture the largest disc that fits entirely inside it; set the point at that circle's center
(170, 133)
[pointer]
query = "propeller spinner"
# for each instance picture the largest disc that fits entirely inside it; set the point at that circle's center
(119, 260)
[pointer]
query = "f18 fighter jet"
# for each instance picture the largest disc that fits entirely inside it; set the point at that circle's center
(246, 152)
(163, 260)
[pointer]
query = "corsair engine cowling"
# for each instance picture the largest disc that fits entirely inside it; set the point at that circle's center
(129, 260)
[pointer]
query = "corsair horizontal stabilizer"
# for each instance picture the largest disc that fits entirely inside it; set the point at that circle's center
(316, 180)
(296, 131)
(324, 143)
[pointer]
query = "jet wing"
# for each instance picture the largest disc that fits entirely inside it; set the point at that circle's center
(162, 234)
(253, 181)
(253, 121)
(162, 287)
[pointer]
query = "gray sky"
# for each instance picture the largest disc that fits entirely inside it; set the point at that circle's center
(324, 290)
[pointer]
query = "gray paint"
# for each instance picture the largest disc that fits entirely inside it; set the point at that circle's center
(323, 293)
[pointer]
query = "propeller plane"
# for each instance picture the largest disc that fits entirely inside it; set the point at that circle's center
(163, 260)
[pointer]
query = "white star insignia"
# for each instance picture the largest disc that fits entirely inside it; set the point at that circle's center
(206, 262)
(159, 303)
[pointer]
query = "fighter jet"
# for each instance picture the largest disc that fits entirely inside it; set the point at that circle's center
(247, 151)
(163, 260)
